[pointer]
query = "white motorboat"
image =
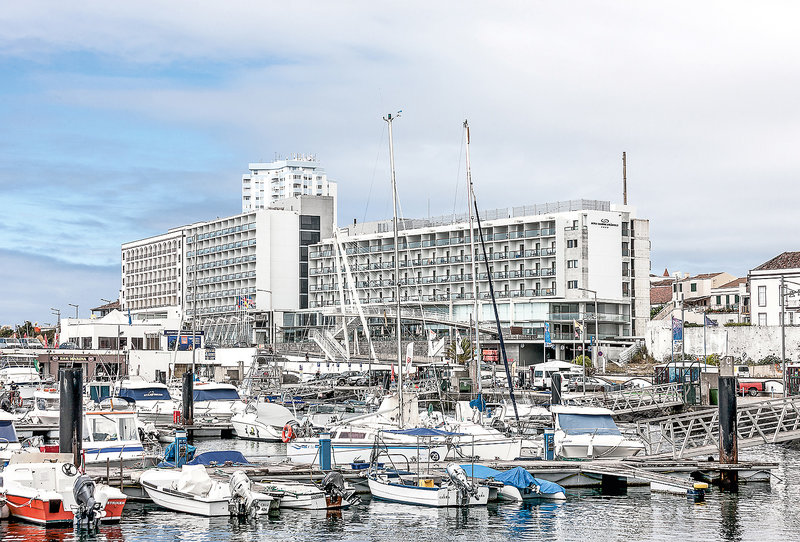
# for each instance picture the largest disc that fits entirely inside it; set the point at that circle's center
(516, 484)
(46, 409)
(590, 432)
(191, 490)
(47, 489)
(456, 490)
(263, 421)
(332, 494)
(111, 435)
(9, 442)
(152, 400)
(215, 401)
(22, 371)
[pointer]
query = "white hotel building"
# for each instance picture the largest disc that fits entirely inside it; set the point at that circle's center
(298, 175)
(543, 259)
(258, 256)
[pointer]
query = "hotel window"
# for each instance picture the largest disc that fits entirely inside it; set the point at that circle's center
(693, 287)
(762, 301)
(572, 284)
(572, 243)
(762, 317)
(572, 264)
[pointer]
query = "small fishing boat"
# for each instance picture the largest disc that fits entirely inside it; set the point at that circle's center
(590, 432)
(332, 494)
(192, 491)
(456, 490)
(264, 421)
(111, 435)
(46, 409)
(47, 489)
(515, 484)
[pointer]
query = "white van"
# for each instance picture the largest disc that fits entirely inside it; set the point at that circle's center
(542, 373)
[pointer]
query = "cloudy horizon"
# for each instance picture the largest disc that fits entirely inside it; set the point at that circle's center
(124, 120)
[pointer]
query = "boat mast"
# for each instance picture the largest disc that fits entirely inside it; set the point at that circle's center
(477, 351)
(389, 118)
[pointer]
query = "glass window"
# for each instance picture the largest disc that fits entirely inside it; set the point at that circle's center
(762, 299)
(693, 287)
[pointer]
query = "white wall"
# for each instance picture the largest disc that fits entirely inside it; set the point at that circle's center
(605, 253)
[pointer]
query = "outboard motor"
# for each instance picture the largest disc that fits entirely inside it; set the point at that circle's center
(244, 501)
(88, 512)
(458, 477)
(335, 490)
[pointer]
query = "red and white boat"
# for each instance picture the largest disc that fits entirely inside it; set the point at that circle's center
(48, 489)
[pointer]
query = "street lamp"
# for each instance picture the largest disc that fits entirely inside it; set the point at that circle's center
(58, 316)
(271, 319)
(784, 294)
(596, 328)
(76, 309)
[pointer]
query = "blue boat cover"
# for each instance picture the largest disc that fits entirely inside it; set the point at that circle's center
(423, 432)
(516, 477)
(478, 403)
(206, 458)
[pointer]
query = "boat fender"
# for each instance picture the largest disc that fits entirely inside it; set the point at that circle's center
(287, 434)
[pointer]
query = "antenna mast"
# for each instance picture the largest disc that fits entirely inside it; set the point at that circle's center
(624, 181)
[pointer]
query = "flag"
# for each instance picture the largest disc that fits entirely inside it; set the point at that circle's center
(431, 335)
(45, 341)
(677, 329)
(547, 339)
(55, 341)
(459, 350)
(710, 322)
(392, 372)
(130, 320)
(578, 328)
(409, 357)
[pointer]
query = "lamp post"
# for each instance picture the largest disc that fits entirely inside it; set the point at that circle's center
(76, 309)
(784, 294)
(271, 319)
(596, 328)
(57, 312)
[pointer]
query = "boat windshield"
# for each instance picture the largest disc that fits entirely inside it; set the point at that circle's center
(224, 394)
(105, 428)
(7, 433)
(145, 394)
(47, 403)
(586, 424)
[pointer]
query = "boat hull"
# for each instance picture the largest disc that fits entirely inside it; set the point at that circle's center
(438, 497)
(50, 511)
(183, 502)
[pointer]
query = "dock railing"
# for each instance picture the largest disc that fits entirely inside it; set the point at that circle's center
(697, 433)
(632, 400)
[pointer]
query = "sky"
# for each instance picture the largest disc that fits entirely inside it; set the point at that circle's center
(121, 120)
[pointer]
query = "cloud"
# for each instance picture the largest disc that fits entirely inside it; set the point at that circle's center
(124, 120)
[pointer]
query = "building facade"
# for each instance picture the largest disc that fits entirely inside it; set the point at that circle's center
(298, 175)
(548, 265)
(234, 276)
(767, 306)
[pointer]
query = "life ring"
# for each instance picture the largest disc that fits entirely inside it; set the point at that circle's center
(18, 400)
(287, 434)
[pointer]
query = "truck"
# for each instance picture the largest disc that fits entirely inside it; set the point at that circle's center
(750, 387)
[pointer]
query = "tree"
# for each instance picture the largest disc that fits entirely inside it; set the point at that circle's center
(587, 361)
(452, 351)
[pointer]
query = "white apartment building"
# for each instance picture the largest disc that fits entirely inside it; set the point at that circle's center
(231, 275)
(298, 175)
(766, 305)
(546, 261)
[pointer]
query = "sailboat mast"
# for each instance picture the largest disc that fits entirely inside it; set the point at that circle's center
(476, 355)
(389, 118)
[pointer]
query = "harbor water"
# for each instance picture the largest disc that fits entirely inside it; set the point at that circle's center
(760, 511)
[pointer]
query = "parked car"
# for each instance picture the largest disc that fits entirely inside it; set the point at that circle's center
(31, 343)
(8, 342)
(68, 346)
(750, 388)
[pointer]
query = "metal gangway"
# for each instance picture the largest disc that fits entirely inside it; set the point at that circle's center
(633, 400)
(697, 433)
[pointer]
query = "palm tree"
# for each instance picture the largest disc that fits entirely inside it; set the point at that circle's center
(464, 356)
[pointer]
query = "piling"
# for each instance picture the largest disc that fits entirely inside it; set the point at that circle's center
(555, 388)
(728, 449)
(188, 398)
(70, 424)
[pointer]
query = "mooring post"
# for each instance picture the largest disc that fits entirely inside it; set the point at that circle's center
(70, 424)
(555, 388)
(728, 448)
(188, 398)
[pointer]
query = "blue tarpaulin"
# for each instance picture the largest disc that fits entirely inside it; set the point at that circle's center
(478, 403)
(516, 477)
(206, 458)
(423, 432)
(225, 394)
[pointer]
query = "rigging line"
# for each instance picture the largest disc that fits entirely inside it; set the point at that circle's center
(372, 181)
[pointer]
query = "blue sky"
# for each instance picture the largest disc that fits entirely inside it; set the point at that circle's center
(121, 121)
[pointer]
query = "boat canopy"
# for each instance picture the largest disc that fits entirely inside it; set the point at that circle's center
(587, 424)
(216, 394)
(145, 394)
(218, 458)
(423, 432)
(7, 433)
(516, 477)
